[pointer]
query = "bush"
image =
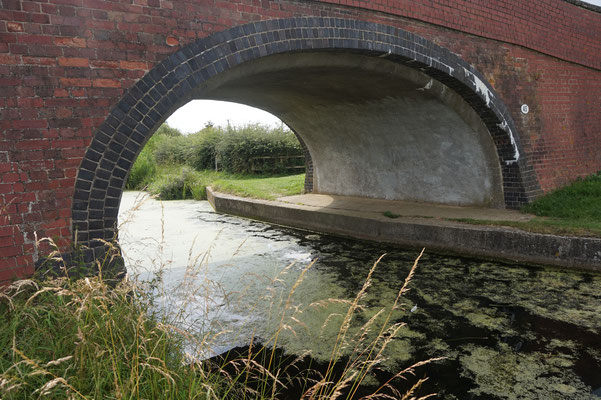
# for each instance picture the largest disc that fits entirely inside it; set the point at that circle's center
(166, 130)
(142, 172)
(178, 182)
(202, 150)
(240, 149)
(171, 149)
(144, 169)
(250, 150)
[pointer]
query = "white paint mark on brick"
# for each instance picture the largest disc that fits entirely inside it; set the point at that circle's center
(480, 86)
(516, 154)
(482, 89)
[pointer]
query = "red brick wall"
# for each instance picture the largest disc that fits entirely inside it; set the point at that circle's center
(65, 63)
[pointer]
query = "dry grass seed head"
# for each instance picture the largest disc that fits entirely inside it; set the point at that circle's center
(162, 369)
(57, 361)
(21, 286)
(41, 291)
(48, 386)
(9, 383)
(327, 321)
(8, 300)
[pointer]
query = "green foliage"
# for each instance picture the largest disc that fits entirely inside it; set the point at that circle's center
(174, 166)
(261, 187)
(142, 171)
(176, 182)
(202, 150)
(145, 167)
(171, 149)
(390, 214)
(234, 150)
(64, 339)
(579, 200)
(240, 147)
(166, 130)
(572, 210)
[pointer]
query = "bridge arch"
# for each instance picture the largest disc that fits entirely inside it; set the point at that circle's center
(214, 67)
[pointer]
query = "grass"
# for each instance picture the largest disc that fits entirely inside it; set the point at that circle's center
(174, 166)
(176, 181)
(572, 210)
(261, 187)
(550, 226)
(390, 214)
(64, 338)
(579, 200)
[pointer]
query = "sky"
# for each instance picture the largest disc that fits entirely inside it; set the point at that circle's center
(193, 116)
(595, 2)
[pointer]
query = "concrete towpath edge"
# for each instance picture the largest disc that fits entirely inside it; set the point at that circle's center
(441, 236)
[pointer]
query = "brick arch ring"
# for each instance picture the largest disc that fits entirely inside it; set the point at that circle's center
(114, 147)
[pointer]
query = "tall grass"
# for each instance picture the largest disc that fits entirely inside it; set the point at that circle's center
(67, 338)
(64, 339)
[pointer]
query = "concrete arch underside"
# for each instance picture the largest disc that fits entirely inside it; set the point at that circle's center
(382, 112)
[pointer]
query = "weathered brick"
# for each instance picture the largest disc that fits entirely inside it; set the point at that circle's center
(106, 83)
(14, 26)
(134, 65)
(73, 62)
(77, 82)
(70, 41)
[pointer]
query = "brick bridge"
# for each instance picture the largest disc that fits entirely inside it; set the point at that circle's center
(391, 98)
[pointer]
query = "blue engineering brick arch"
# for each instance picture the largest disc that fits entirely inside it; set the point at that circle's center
(170, 84)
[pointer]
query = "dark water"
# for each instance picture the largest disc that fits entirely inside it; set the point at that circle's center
(506, 331)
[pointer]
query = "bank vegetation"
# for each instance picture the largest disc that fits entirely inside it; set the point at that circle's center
(253, 160)
(67, 338)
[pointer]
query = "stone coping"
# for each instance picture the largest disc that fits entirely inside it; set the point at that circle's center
(439, 235)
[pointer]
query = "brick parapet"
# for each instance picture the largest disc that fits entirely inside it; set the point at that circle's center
(569, 30)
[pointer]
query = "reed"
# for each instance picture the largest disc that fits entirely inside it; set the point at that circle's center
(66, 338)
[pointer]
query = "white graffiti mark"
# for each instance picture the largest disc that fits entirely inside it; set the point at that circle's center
(516, 154)
(483, 90)
(480, 86)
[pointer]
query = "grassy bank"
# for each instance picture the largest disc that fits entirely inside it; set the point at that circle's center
(82, 339)
(64, 339)
(261, 187)
(572, 210)
(174, 182)
(252, 161)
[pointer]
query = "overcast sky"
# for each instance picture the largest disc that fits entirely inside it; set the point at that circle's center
(194, 116)
(595, 2)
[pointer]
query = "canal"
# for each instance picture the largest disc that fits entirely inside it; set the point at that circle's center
(505, 331)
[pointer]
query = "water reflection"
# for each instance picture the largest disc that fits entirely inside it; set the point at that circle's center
(508, 332)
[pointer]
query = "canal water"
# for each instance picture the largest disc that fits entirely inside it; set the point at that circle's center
(505, 331)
